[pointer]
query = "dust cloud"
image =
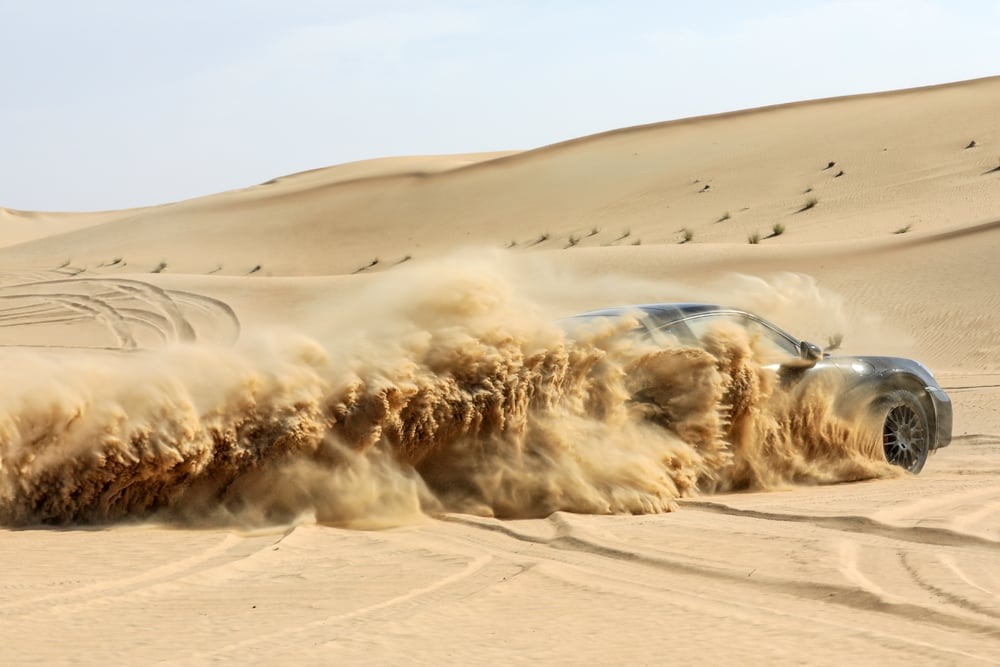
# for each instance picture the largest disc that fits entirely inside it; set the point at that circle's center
(436, 389)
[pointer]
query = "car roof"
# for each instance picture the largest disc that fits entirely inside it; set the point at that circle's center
(662, 313)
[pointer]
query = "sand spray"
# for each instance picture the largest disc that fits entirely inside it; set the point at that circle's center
(444, 388)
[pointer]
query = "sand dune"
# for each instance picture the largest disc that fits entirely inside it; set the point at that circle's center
(903, 156)
(217, 400)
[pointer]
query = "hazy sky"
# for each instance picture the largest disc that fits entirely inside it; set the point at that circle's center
(115, 103)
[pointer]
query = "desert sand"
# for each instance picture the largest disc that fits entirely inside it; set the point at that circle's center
(331, 418)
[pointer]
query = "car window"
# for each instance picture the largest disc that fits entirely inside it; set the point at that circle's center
(678, 333)
(768, 342)
(771, 337)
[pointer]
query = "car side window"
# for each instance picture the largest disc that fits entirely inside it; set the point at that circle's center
(677, 333)
(767, 340)
(701, 325)
(774, 338)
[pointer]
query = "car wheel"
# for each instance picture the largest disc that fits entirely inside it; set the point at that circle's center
(905, 431)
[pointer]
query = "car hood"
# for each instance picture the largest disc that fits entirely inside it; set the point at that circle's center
(877, 366)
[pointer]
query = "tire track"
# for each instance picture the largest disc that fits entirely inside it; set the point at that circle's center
(94, 592)
(859, 598)
(565, 549)
(612, 583)
(472, 567)
(943, 537)
(129, 311)
(960, 601)
(949, 562)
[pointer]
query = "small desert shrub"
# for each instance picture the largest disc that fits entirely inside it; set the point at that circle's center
(254, 270)
(159, 267)
(972, 144)
(903, 230)
(572, 241)
(637, 242)
(810, 203)
(542, 238)
(839, 174)
(725, 216)
(594, 231)
(686, 235)
(624, 235)
(778, 229)
(367, 266)
(753, 238)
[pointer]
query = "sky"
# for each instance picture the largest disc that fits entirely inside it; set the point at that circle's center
(109, 104)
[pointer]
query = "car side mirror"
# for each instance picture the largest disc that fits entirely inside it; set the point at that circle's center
(810, 352)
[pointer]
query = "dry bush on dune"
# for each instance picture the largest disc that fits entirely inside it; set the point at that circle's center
(903, 230)
(542, 238)
(159, 267)
(753, 238)
(810, 203)
(686, 235)
(971, 144)
(367, 266)
(777, 230)
(725, 216)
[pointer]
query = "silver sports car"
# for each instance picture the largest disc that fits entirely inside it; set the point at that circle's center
(902, 394)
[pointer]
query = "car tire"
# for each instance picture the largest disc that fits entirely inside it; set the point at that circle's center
(906, 434)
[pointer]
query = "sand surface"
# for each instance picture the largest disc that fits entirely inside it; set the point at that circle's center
(329, 418)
